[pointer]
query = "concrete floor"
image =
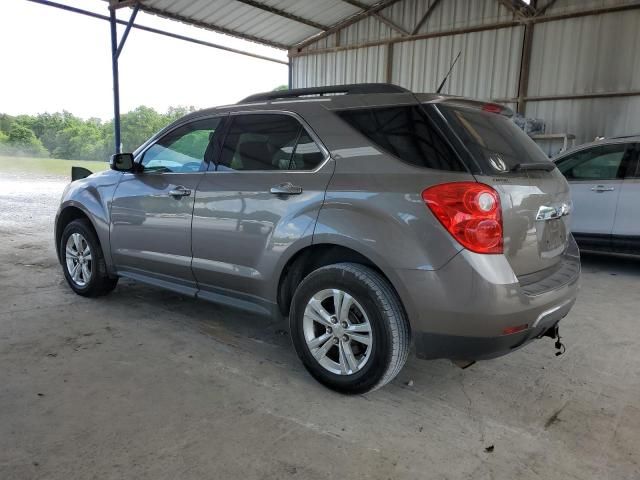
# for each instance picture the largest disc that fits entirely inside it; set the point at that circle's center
(146, 384)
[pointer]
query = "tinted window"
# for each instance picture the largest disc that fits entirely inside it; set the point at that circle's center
(307, 155)
(634, 165)
(181, 150)
(405, 132)
(268, 142)
(600, 163)
(494, 140)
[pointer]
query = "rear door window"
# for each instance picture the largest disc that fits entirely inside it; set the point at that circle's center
(307, 155)
(494, 141)
(268, 142)
(407, 133)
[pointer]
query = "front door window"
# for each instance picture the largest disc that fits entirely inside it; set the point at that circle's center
(183, 150)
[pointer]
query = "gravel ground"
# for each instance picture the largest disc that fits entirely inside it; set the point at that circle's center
(27, 201)
(146, 384)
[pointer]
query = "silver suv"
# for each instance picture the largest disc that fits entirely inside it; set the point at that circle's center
(373, 217)
(604, 177)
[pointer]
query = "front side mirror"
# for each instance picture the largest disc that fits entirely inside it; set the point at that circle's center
(122, 162)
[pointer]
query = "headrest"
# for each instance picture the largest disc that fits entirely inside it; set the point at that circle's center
(255, 156)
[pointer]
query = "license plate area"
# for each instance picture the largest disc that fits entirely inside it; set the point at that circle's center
(552, 237)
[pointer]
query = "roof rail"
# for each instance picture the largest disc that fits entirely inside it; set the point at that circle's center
(619, 137)
(356, 88)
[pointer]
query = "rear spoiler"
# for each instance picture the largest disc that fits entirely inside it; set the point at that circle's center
(453, 101)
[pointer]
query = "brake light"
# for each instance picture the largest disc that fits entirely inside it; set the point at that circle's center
(470, 212)
(492, 108)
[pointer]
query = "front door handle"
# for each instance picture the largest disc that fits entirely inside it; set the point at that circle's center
(287, 188)
(602, 188)
(179, 192)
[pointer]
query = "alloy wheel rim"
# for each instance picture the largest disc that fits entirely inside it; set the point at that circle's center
(79, 259)
(337, 332)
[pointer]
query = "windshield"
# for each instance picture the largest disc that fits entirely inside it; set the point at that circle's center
(496, 143)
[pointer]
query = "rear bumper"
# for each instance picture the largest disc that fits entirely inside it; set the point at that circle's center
(461, 311)
(455, 347)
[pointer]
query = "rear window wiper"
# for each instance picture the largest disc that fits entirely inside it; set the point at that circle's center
(524, 167)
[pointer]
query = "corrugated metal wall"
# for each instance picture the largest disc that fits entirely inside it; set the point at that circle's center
(583, 55)
(488, 66)
(352, 66)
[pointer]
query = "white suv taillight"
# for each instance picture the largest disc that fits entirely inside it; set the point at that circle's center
(470, 212)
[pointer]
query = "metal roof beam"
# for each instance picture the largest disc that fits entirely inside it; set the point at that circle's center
(511, 6)
(544, 8)
(212, 27)
(157, 31)
(115, 4)
(391, 24)
(296, 52)
(346, 22)
(125, 35)
(282, 13)
(425, 17)
(525, 65)
(420, 36)
(379, 16)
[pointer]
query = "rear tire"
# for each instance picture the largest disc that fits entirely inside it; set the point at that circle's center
(349, 328)
(83, 261)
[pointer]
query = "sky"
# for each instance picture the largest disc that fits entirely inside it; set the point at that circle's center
(54, 60)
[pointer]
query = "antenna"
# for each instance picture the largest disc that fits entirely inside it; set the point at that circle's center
(444, 80)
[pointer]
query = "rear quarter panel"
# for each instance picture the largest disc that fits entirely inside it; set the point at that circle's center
(373, 203)
(374, 200)
(374, 206)
(383, 213)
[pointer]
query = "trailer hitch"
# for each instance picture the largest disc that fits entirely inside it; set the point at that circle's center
(554, 332)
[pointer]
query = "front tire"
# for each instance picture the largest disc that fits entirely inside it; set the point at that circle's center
(83, 261)
(349, 328)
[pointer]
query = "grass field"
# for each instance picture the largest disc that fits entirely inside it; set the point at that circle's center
(47, 166)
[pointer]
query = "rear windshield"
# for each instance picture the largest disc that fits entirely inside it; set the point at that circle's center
(407, 133)
(495, 142)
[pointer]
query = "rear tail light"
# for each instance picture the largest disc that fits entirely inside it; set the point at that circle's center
(470, 212)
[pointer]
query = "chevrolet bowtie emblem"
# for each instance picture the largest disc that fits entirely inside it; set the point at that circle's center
(549, 212)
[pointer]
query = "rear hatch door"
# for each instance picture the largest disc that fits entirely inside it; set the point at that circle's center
(534, 195)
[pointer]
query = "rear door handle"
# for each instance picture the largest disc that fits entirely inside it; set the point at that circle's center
(179, 192)
(287, 188)
(602, 188)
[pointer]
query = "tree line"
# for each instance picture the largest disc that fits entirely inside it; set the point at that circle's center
(63, 135)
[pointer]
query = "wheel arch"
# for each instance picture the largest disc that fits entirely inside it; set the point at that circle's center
(68, 214)
(317, 255)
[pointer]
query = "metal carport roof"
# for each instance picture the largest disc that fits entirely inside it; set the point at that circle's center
(283, 24)
(294, 24)
(280, 24)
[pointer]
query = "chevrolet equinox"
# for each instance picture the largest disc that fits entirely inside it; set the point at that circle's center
(376, 219)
